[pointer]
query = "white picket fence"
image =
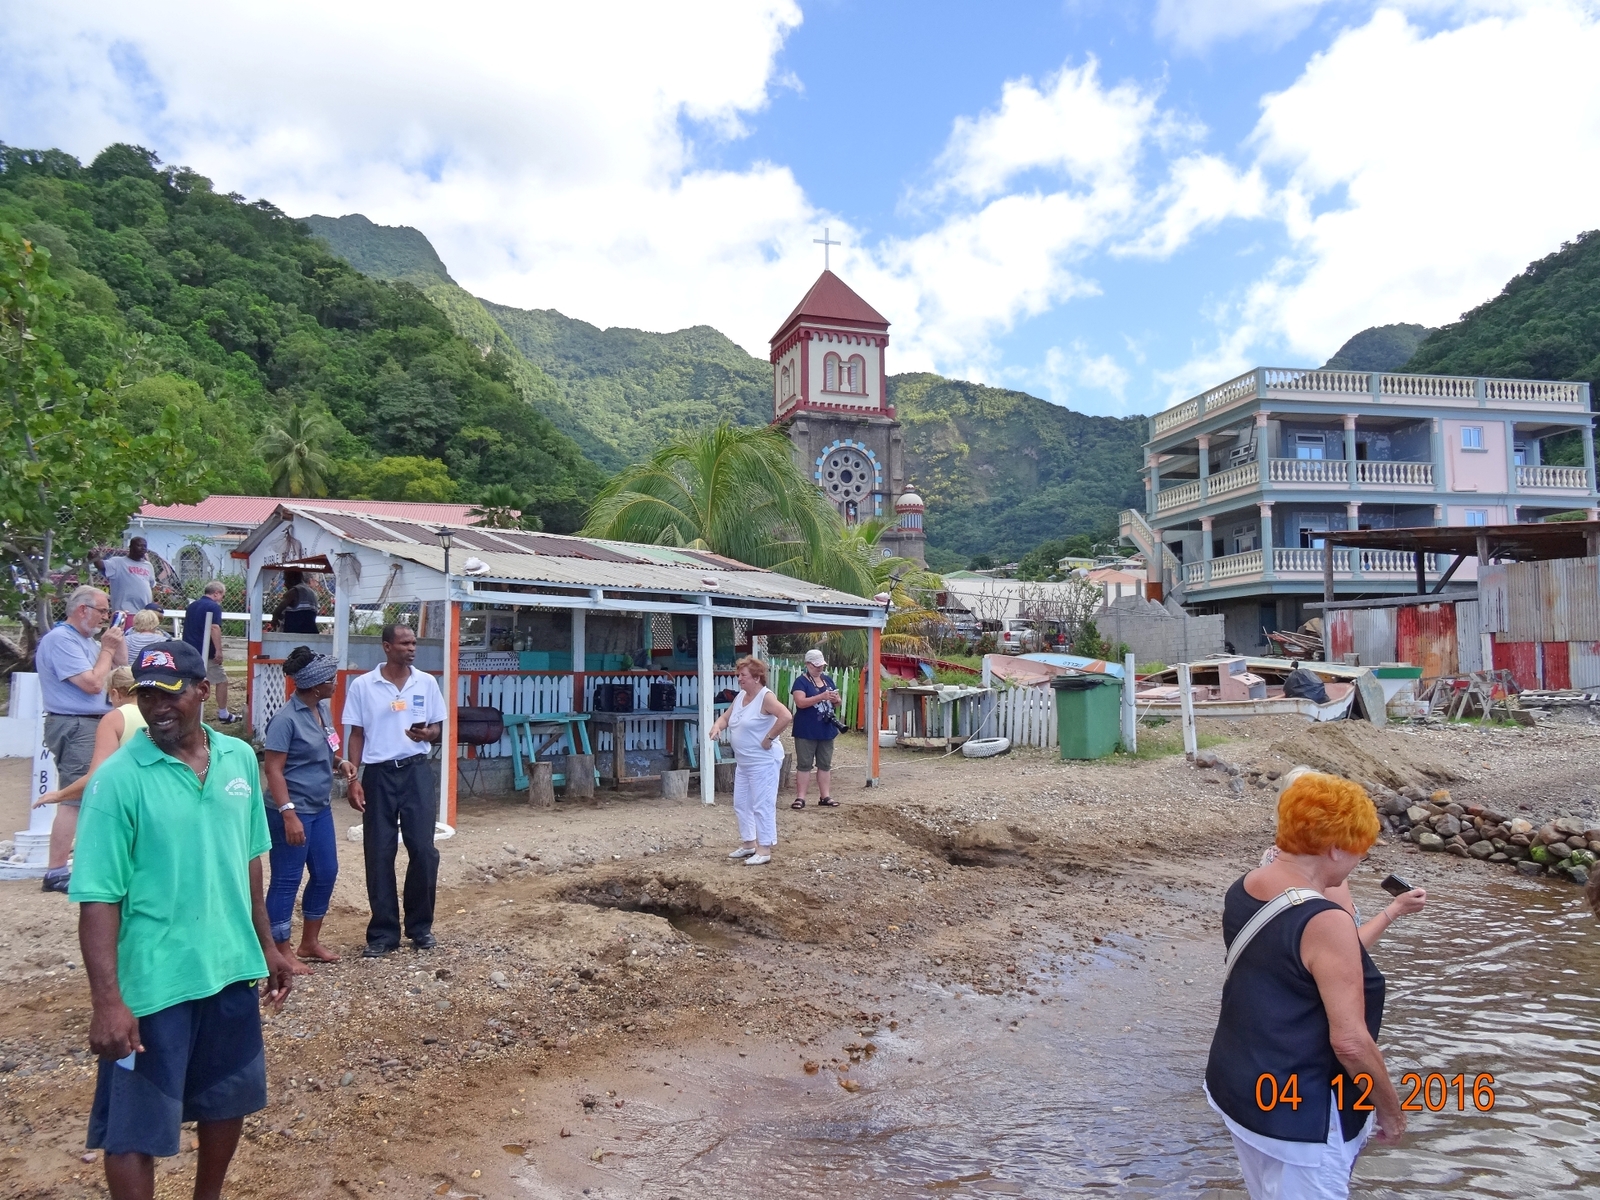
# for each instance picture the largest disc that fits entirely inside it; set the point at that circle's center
(1026, 715)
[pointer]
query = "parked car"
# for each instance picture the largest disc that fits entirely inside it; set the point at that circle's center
(1018, 637)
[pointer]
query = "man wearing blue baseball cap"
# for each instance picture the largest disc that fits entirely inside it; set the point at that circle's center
(174, 933)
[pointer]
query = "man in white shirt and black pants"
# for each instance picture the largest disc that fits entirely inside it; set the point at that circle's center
(395, 712)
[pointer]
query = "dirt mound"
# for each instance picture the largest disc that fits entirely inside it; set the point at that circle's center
(1366, 754)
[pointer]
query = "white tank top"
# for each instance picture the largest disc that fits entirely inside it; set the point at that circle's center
(748, 725)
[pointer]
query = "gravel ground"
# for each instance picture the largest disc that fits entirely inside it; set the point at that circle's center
(573, 936)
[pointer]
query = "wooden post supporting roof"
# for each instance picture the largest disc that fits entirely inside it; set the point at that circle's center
(708, 683)
(874, 686)
(449, 770)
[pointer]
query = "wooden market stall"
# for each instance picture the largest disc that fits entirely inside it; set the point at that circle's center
(552, 630)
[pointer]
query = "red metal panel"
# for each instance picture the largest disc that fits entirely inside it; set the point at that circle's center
(1557, 674)
(1425, 636)
(1521, 659)
(1340, 636)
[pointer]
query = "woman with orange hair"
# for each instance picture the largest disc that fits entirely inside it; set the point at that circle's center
(1295, 1070)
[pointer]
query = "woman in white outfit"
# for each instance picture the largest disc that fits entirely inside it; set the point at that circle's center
(755, 720)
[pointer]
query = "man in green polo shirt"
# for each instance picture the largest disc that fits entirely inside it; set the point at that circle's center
(174, 933)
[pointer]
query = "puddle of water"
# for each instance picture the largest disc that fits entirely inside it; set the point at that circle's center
(703, 932)
(1098, 1091)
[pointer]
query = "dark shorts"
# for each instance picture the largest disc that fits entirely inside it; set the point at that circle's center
(202, 1061)
(809, 752)
(70, 741)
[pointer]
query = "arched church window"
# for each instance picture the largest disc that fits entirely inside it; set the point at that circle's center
(858, 374)
(786, 388)
(830, 373)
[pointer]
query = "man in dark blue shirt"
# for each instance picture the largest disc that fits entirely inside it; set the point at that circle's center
(202, 629)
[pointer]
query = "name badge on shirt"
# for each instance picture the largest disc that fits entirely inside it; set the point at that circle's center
(397, 705)
(333, 740)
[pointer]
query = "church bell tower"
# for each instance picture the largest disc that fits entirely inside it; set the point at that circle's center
(830, 393)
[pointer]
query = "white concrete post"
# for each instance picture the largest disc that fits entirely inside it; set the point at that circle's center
(1130, 710)
(580, 646)
(708, 766)
(343, 581)
(1191, 743)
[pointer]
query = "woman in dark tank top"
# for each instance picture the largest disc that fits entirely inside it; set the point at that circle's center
(1295, 1068)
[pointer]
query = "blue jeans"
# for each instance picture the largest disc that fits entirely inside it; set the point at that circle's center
(320, 852)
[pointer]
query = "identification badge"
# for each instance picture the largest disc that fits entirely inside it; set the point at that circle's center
(333, 740)
(397, 705)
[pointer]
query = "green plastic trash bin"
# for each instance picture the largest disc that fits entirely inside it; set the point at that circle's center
(1088, 714)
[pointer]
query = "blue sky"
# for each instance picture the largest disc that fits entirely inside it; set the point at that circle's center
(1110, 205)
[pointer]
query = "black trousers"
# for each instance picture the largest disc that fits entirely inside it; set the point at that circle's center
(399, 800)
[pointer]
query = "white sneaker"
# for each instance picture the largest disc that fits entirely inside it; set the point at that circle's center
(742, 852)
(758, 860)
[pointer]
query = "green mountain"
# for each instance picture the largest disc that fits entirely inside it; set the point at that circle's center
(1002, 471)
(1544, 324)
(227, 312)
(397, 253)
(1380, 348)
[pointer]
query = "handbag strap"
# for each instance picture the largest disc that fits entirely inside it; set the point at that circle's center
(1284, 900)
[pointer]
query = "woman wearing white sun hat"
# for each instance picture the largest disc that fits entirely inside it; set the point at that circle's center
(756, 721)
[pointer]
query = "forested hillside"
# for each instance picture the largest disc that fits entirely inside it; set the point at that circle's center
(1380, 348)
(1003, 471)
(230, 314)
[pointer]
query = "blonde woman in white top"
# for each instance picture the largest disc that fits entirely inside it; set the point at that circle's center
(756, 720)
(146, 632)
(110, 735)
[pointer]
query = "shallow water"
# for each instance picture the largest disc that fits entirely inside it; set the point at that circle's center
(1094, 1086)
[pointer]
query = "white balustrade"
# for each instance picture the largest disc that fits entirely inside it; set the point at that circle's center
(1306, 561)
(1396, 562)
(1536, 390)
(1569, 478)
(1232, 566)
(1224, 394)
(1178, 497)
(1178, 414)
(1437, 387)
(1194, 572)
(1234, 478)
(1341, 383)
(1402, 474)
(1309, 471)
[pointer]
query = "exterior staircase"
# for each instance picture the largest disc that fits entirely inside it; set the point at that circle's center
(1136, 529)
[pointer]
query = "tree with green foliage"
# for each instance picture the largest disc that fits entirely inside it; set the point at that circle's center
(236, 314)
(295, 452)
(412, 477)
(74, 473)
(500, 506)
(735, 492)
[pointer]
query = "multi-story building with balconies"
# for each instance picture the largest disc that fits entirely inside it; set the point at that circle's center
(1244, 483)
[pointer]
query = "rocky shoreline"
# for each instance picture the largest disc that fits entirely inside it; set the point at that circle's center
(1564, 847)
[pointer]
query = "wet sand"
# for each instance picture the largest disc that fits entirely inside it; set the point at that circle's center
(1015, 939)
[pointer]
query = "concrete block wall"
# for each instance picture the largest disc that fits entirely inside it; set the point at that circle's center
(1154, 634)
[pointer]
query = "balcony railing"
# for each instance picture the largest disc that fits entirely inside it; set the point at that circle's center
(1567, 478)
(1234, 478)
(1396, 474)
(1294, 560)
(1451, 389)
(1309, 471)
(1178, 497)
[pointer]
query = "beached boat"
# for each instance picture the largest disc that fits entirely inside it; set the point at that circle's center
(1240, 686)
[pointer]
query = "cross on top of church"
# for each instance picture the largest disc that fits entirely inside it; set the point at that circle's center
(824, 241)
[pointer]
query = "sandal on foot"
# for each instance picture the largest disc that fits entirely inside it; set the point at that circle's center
(827, 802)
(798, 804)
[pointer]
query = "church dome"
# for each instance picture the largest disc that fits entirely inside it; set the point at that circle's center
(909, 502)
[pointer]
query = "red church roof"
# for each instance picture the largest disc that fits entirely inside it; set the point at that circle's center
(831, 299)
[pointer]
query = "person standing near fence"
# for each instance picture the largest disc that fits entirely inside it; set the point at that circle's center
(202, 629)
(816, 700)
(146, 631)
(756, 721)
(395, 712)
(131, 576)
(73, 672)
(302, 754)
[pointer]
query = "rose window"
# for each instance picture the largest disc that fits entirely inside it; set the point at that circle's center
(846, 475)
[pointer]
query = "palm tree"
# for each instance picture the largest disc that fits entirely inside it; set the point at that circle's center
(734, 492)
(907, 587)
(500, 507)
(294, 452)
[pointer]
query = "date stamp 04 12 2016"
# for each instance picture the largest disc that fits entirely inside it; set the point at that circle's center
(1424, 1089)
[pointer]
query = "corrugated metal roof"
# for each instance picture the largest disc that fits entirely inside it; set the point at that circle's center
(252, 510)
(579, 562)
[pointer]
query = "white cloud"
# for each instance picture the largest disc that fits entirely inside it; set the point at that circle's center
(1415, 173)
(1198, 24)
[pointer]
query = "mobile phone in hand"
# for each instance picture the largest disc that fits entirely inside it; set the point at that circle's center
(118, 620)
(1395, 886)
